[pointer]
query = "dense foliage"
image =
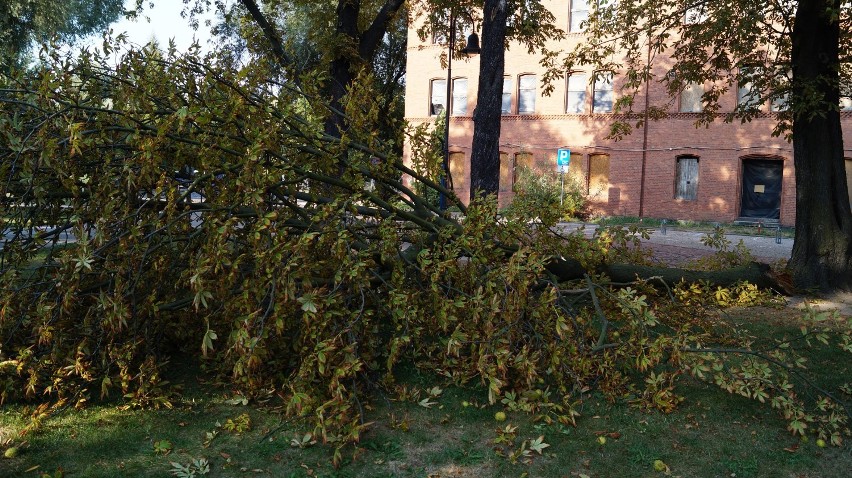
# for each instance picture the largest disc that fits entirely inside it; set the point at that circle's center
(24, 23)
(172, 205)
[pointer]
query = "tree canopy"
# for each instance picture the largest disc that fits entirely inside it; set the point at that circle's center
(26, 22)
(790, 53)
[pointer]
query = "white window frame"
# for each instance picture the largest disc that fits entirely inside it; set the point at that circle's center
(459, 100)
(602, 90)
(578, 15)
(441, 93)
(506, 107)
(522, 108)
(577, 89)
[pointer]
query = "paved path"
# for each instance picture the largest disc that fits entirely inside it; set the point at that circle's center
(676, 248)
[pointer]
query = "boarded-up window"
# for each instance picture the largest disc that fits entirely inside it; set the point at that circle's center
(505, 172)
(522, 161)
(577, 171)
(686, 178)
(456, 170)
(598, 175)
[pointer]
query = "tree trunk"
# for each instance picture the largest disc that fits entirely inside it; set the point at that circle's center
(340, 70)
(755, 273)
(822, 251)
(485, 153)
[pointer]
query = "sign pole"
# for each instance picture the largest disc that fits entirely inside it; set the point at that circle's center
(563, 159)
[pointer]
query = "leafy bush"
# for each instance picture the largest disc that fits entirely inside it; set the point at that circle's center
(725, 257)
(544, 195)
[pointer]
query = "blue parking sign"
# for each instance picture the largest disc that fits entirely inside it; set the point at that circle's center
(563, 158)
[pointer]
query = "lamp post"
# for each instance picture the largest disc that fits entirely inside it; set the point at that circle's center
(471, 48)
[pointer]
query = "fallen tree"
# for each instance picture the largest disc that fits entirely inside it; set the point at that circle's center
(171, 206)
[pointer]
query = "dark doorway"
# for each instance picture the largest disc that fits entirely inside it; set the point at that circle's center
(762, 188)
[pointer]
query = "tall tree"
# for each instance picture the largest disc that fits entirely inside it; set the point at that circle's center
(24, 22)
(505, 23)
(485, 151)
(299, 38)
(358, 31)
(790, 53)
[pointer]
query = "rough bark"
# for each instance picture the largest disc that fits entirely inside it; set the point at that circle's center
(822, 251)
(485, 154)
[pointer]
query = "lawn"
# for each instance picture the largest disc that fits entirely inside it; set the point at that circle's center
(712, 434)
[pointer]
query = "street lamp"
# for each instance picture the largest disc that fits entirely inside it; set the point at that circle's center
(471, 48)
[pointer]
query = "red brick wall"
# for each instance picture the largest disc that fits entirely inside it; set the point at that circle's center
(719, 147)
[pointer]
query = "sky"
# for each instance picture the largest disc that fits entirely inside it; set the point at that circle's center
(165, 23)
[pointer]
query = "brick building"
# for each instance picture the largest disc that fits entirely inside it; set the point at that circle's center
(718, 173)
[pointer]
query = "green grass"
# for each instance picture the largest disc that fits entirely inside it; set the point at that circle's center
(711, 435)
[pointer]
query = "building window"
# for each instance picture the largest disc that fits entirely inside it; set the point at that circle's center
(576, 98)
(457, 176)
(598, 175)
(602, 99)
(438, 101)
(747, 95)
(696, 14)
(690, 98)
(505, 172)
(579, 14)
(686, 179)
(780, 103)
(527, 85)
(506, 105)
(781, 96)
(523, 164)
(459, 97)
(849, 178)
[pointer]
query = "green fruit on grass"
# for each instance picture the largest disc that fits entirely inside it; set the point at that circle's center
(500, 416)
(820, 443)
(11, 452)
(465, 404)
(602, 440)
(659, 465)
